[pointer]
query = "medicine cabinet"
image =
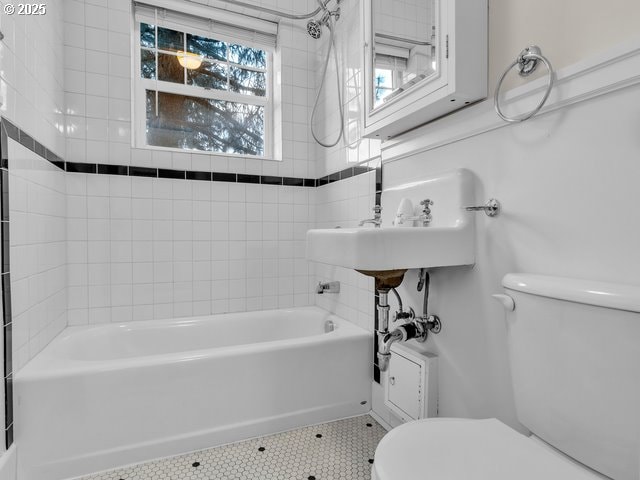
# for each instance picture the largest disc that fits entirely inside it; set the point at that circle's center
(423, 59)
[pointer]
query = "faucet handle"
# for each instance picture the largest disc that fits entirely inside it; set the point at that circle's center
(426, 203)
(377, 209)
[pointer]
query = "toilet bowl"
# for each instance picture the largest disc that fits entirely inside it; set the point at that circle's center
(462, 449)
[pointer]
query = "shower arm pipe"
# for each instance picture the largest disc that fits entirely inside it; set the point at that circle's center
(271, 11)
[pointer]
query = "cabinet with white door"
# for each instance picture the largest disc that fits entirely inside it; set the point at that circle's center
(411, 386)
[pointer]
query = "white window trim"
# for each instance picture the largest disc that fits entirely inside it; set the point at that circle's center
(272, 145)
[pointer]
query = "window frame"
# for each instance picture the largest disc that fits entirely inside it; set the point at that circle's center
(140, 85)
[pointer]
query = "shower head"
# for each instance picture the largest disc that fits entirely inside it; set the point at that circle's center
(314, 28)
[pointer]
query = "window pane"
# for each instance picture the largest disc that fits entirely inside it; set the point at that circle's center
(147, 35)
(169, 69)
(148, 64)
(383, 85)
(207, 47)
(384, 78)
(170, 39)
(204, 124)
(248, 82)
(251, 57)
(209, 75)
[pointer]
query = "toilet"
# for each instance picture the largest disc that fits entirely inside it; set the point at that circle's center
(574, 351)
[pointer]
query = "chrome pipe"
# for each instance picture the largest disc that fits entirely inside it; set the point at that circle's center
(425, 301)
(383, 312)
(383, 328)
(384, 350)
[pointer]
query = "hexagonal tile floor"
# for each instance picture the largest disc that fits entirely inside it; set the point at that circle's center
(341, 450)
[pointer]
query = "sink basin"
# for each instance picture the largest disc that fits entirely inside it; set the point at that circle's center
(391, 248)
(447, 241)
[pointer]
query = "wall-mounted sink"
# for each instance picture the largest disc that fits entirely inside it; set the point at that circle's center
(448, 240)
(389, 248)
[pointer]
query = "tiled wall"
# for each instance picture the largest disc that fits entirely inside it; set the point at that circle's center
(352, 149)
(344, 204)
(32, 97)
(97, 94)
(32, 73)
(142, 248)
(38, 251)
(172, 247)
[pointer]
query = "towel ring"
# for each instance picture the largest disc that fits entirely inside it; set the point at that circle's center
(526, 63)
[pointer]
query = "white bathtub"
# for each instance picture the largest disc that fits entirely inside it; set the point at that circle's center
(104, 396)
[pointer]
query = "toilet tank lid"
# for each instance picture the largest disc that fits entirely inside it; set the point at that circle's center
(602, 294)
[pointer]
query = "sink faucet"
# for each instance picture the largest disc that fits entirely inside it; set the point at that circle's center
(425, 217)
(377, 217)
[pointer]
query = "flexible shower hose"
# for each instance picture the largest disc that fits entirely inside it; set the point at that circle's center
(332, 45)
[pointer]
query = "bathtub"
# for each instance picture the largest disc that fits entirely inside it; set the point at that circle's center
(104, 396)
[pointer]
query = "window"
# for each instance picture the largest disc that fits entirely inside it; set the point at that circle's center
(389, 72)
(202, 91)
(383, 85)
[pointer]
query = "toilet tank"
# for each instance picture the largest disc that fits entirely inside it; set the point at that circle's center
(574, 349)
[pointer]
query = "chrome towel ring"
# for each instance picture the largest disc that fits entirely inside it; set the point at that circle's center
(526, 64)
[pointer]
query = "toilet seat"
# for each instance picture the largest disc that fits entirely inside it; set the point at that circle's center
(461, 449)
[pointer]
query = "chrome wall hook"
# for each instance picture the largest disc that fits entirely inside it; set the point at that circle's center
(492, 208)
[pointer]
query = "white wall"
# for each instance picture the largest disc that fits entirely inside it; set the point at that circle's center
(567, 31)
(568, 185)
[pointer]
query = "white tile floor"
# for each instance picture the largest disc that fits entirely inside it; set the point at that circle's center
(341, 450)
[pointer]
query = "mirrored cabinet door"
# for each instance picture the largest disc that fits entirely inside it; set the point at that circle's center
(404, 46)
(423, 59)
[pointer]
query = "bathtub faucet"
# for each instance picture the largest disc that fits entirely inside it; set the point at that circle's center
(329, 287)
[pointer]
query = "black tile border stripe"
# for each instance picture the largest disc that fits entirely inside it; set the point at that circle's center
(204, 176)
(112, 169)
(8, 130)
(29, 142)
(143, 172)
(81, 167)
